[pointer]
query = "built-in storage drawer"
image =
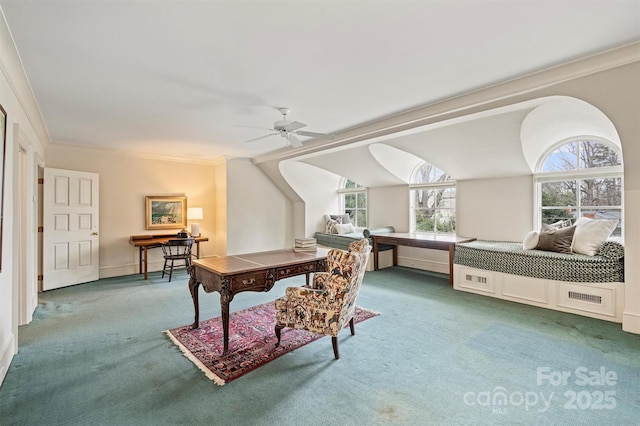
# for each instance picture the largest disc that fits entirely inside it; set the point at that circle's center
(522, 288)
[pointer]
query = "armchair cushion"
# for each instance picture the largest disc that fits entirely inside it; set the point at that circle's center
(329, 305)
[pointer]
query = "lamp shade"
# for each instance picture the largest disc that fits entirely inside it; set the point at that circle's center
(194, 213)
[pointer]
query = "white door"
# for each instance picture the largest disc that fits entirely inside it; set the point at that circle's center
(70, 222)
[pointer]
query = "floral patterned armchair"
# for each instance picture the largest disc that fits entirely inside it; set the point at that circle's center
(329, 304)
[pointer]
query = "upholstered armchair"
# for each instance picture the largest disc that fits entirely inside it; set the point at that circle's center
(329, 304)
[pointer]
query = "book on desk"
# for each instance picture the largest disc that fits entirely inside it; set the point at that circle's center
(305, 245)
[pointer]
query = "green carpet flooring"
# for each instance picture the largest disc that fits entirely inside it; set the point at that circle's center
(95, 354)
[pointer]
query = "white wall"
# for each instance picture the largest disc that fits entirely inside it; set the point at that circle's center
(495, 209)
(389, 206)
(259, 216)
(24, 128)
(125, 180)
(317, 187)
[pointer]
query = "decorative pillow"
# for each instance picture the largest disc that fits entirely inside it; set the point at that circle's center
(591, 233)
(330, 224)
(531, 240)
(346, 228)
(554, 239)
(341, 218)
(562, 223)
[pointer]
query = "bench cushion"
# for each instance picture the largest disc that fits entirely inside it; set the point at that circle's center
(509, 257)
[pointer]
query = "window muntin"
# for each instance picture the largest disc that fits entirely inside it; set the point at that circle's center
(433, 201)
(353, 198)
(580, 155)
(581, 178)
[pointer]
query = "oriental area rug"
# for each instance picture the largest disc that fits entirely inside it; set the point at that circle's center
(252, 342)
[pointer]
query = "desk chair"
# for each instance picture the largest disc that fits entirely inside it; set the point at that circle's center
(176, 250)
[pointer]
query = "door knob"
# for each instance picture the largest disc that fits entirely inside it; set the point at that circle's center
(94, 233)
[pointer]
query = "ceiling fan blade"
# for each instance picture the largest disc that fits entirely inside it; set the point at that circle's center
(291, 127)
(293, 141)
(262, 137)
(254, 127)
(314, 134)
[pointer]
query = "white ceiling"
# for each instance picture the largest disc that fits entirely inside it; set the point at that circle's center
(178, 77)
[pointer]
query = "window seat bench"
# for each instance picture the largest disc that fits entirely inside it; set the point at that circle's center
(580, 284)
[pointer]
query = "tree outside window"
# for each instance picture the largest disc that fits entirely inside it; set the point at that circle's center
(581, 178)
(433, 201)
(354, 200)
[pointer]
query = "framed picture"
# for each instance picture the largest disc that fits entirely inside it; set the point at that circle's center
(166, 212)
(3, 147)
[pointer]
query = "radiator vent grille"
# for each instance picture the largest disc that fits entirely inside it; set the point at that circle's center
(476, 279)
(584, 297)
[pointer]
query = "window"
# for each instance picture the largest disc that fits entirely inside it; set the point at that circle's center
(433, 200)
(353, 198)
(580, 178)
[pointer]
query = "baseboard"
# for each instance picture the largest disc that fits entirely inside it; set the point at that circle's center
(425, 265)
(8, 351)
(130, 269)
(631, 323)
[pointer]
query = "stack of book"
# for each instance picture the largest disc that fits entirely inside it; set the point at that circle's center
(305, 245)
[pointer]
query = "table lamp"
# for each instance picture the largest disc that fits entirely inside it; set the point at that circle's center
(194, 213)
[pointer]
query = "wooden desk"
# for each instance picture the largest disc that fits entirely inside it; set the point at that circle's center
(231, 275)
(413, 239)
(146, 242)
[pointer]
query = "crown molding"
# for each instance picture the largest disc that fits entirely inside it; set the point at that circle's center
(137, 154)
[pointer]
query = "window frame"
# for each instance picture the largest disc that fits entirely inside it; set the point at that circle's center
(440, 185)
(357, 189)
(579, 174)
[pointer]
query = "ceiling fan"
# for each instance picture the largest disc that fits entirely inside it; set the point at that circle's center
(289, 130)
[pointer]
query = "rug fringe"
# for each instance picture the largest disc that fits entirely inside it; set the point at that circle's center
(367, 310)
(216, 379)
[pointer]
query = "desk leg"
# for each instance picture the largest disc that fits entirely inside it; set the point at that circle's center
(224, 307)
(193, 289)
(197, 249)
(395, 255)
(145, 262)
(139, 260)
(452, 249)
(375, 254)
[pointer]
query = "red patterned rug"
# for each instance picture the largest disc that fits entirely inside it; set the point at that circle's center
(252, 342)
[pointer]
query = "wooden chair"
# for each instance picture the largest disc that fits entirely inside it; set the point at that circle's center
(330, 303)
(176, 250)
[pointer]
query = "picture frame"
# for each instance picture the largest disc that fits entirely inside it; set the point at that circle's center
(3, 153)
(165, 212)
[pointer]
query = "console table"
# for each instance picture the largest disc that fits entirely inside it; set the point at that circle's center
(231, 275)
(413, 239)
(146, 242)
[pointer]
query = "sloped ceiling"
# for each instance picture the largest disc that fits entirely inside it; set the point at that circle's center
(505, 142)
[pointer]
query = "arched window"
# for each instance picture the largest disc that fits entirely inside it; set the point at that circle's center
(433, 200)
(580, 178)
(353, 199)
